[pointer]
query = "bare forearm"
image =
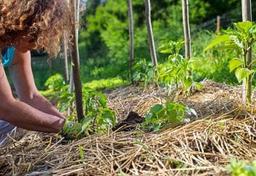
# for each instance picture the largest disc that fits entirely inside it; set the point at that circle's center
(22, 75)
(27, 117)
(23, 115)
(25, 86)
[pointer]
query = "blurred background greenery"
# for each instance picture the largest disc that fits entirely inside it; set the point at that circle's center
(104, 38)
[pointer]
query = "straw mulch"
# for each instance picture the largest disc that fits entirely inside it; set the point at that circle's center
(214, 98)
(202, 147)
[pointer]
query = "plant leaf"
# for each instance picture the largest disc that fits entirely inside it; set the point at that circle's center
(236, 41)
(156, 109)
(244, 26)
(243, 73)
(86, 123)
(234, 64)
(217, 41)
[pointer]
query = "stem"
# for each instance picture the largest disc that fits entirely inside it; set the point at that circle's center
(250, 78)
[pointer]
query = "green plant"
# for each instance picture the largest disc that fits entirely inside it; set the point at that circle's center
(144, 72)
(162, 115)
(58, 91)
(110, 83)
(55, 82)
(177, 71)
(212, 64)
(242, 168)
(98, 117)
(241, 39)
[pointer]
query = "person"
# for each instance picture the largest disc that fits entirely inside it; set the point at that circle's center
(27, 25)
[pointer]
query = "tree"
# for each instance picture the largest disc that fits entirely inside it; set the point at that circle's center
(247, 84)
(131, 38)
(75, 61)
(151, 41)
(186, 28)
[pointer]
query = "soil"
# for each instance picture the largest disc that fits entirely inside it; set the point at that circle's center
(130, 123)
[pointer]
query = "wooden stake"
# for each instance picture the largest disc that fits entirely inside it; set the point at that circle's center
(131, 38)
(151, 41)
(186, 29)
(247, 84)
(218, 24)
(75, 66)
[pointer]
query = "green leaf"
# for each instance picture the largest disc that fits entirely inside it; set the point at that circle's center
(237, 42)
(156, 109)
(109, 117)
(220, 39)
(243, 73)
(175, 112)
(165, 49)
(188, 83)
(234, 64)
(85, 125)
(244, 26)
(252, 31)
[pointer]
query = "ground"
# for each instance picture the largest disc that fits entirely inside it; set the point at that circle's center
(203, 145)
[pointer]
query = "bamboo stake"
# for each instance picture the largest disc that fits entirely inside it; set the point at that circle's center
(186, 29)
(247, 84)
(150, 33)
(131, 38)
(75, 65)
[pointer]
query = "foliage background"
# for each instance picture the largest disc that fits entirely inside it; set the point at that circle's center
(104, 37)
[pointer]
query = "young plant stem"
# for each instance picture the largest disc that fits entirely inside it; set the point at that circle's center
(250, 78)
(247, 16)
(244, 86)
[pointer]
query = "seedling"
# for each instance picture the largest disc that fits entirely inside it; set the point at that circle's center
(177, 71)
(241, 39)
(162, 115)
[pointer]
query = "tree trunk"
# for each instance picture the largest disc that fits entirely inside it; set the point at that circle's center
(247, 84)
(131, 38)
(186, 28)
(75, 65)
(150, 33)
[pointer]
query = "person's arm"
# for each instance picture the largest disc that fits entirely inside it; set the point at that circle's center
(24, 83)
(23, 115)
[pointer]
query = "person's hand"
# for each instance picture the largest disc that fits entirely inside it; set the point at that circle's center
(41, 103)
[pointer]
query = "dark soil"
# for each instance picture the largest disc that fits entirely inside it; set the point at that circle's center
(130, 123)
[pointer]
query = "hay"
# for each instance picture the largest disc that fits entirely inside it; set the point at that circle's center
(203, 147)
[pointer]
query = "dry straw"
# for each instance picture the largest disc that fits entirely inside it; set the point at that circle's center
(202, 147)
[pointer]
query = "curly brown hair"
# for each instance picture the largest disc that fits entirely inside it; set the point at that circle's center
(41, 22)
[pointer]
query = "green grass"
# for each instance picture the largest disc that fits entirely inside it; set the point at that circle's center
(102, 84)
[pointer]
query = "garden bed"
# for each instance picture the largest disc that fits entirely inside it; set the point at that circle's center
(202, 147)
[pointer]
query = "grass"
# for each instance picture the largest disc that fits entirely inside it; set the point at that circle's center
(103, 84)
